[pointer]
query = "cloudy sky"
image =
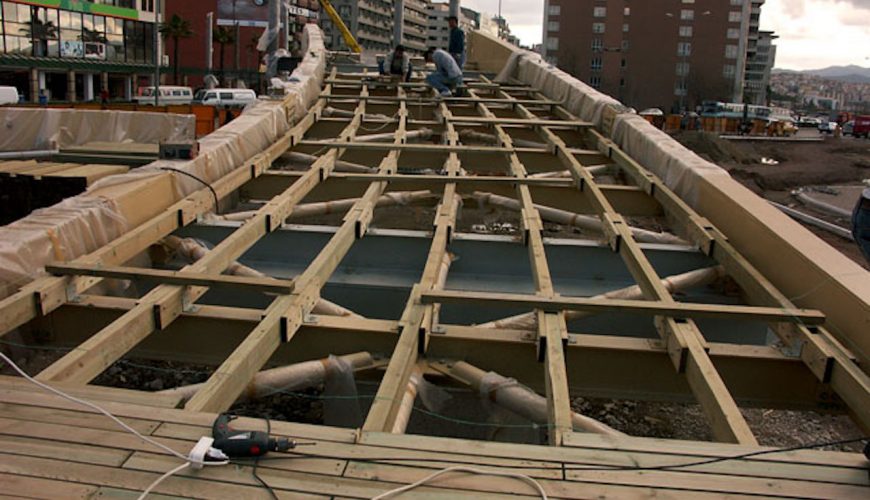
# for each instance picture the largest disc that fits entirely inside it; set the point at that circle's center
(813, 33)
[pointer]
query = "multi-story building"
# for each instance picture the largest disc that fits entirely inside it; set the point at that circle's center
(759, 67)
(439, 32)
(670, 54)
(242, 23)
(74, 50)
(372, 21)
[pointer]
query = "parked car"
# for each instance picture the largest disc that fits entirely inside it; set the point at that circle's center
(169, 94)
(8, 95)
(808, 122)
(827, 127)
(859, 127)
(226, 97)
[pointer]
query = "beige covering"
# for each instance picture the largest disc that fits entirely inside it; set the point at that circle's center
(82, 224)
(28, 129)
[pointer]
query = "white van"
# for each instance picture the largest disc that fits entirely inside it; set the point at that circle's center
(169, 94)
(8, 95)
(226, 97)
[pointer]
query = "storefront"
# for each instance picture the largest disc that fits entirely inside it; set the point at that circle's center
(72, 50)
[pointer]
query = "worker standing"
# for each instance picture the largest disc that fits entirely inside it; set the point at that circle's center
(447, 74)
(861, 223)
(397, 63)
(456, 47)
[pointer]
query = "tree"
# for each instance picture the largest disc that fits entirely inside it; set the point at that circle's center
(40, 32)
(223, 36)
(177, 28)
(253, 43)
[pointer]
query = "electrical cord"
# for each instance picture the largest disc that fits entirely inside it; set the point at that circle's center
(187, 460)
(206, 184)
(257, 464)
(559, 466)
(459, 468)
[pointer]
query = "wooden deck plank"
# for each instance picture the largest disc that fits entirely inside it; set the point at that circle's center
(101, 393)
(14, 486)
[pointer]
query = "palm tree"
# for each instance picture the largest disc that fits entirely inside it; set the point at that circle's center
(177, 28)
(253, 43)
(223, 36)
(39, 33)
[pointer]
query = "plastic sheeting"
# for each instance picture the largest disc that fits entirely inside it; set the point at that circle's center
(580, 99)
(27, 129)
(73, 227)
(679, 168)
(84, 223)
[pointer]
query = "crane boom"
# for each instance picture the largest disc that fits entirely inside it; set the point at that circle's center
(336, 20)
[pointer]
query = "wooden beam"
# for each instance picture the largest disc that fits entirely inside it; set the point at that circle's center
(287, 313)
(684, 339)
(645, 307)
(416, 318)
(552, 329)
(181, 278)
(162, 305)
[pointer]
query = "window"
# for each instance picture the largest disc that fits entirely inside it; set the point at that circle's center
(622, 63)
(735, 16)
(226, 95)
(554, 10)
(733, 33)
(625, 45)
(737, 2)
(684, 49)
(625, 28)
(688, 1)
(595, 81)
(680, 88)
(729, 70)
(682, 68)
(626, 11)
(597, 45)
(687, 14)
(599, 11)
(598, 27)
(596, 63)
(552, 43)
(553, 26)
(685, 31)
(731, 51)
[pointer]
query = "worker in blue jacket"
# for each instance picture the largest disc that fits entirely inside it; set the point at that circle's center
(456, 47)
(447, 75)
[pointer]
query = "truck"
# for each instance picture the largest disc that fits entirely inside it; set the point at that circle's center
(858, 127)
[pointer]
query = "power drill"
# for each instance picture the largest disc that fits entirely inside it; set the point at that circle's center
(237, 444)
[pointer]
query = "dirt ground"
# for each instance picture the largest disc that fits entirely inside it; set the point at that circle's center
(824, 165)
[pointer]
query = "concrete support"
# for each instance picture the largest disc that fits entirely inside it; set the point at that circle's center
(34, 84)
(454, 7)
(134, 79)
(71, 86)
(89, 86)
(398, 21)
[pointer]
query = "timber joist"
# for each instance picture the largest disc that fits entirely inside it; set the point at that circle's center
(543, 163)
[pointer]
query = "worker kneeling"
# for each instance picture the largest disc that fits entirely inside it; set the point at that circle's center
(447, 74)
(397, 63)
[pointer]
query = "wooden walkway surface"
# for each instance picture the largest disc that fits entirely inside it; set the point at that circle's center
(53, 448)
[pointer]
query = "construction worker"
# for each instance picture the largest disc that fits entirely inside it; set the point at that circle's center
(861, 223)
(447, 74)
(456, 46)
(396, 63)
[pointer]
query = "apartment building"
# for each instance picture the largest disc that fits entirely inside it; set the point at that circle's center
(372, 21)
(669, 54)
(439, 32)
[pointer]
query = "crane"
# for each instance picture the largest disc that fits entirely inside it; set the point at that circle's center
(336, 20)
